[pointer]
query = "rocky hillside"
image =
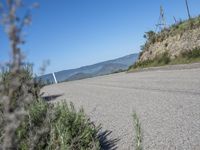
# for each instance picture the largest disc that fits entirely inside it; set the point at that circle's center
(171, 43)
(174, 45)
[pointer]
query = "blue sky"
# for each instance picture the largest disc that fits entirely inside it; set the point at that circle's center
(74, 33)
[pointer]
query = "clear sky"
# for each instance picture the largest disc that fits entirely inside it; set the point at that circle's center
(74, 33)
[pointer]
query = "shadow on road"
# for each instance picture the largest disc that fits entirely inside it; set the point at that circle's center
(51, 97)
(107, 143)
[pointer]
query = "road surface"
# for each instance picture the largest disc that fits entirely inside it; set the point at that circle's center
(167, 102)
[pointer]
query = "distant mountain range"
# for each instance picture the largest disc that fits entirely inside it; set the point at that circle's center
(102, 68)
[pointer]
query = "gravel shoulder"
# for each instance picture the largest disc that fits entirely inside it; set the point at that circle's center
(167, 101)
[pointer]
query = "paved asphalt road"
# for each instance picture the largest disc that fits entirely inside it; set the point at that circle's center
(166, 101)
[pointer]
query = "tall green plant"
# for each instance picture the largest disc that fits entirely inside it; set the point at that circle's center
(72, 130)
(138, 132)
(58, 126)
(27, 122)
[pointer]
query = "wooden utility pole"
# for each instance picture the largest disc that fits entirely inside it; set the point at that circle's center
(188, 11)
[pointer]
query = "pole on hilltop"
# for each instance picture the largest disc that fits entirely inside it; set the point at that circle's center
(188, 10)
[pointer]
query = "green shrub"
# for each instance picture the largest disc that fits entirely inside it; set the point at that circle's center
(191, 54)
(25, 76)
(142, 64)
(26, 121)
(163, 59)
(159, 60)
(33, 132)
(150, 36)
(72, 129)
(59, 126)
(44, 125)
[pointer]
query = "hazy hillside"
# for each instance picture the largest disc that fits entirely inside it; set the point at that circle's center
(79, 76)
(111, 68)
(101, 68)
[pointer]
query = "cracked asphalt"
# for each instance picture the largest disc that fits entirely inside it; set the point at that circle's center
(167, 102)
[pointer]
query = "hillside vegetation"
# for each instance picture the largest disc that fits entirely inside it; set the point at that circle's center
(177, 44)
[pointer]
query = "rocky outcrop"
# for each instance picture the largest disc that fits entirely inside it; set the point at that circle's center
(173, 45)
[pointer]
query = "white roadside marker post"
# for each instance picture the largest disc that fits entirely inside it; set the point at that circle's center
(55, 78)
